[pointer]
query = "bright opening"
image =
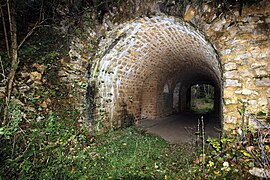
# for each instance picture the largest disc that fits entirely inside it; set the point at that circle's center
(202, 98)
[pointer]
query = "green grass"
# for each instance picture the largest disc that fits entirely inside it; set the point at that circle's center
(202, 105)
(55, 149)
(129, 154)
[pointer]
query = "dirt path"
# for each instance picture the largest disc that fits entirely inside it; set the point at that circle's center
(179, 129)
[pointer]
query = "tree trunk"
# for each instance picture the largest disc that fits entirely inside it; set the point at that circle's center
(13, 54)
(14, 51)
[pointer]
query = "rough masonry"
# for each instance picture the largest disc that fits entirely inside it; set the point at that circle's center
(147, 64)
(145, 59)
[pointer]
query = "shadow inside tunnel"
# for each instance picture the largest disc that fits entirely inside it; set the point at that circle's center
(182, 128)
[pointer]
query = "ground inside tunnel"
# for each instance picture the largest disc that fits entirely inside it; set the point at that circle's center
(181, 128)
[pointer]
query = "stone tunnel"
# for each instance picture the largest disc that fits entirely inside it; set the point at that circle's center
(147, 61)
(146, 66)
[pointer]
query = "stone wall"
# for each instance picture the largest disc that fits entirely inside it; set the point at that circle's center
(140, 57)
(242, 41)
(228, 49)
(163, 43)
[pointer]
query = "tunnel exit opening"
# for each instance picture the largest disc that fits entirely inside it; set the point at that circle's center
(202, 98)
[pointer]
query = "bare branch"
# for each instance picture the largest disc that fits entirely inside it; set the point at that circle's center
(5, 30)
(3, 70)
(37, 25)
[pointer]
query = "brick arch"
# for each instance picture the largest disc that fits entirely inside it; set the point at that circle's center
(150, 52)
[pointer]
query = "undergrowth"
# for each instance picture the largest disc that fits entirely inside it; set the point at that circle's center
(57, 148)
(45, 149)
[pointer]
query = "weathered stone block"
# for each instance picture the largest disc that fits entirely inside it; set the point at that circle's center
(229, 101)
(231, 74)
(189, 14)
(246, 73)
(253, 102)
(230, 66)
(243, 56)
(262, 82)
(263, 101)
(232, 82)
(244, 92)
(260, 72)
(225, 52)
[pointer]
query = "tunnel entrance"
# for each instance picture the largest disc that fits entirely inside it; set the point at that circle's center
(151, 64)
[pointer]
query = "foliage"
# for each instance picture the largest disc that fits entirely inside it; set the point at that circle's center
(235, 156)
(45, 46)
(47, 148)
(228, 159)
(53, 148)
(10, 129)
(5, 61)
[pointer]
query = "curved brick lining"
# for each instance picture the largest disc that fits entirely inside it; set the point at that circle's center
(137, 59)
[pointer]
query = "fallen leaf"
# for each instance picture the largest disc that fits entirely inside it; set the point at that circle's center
(35, 76)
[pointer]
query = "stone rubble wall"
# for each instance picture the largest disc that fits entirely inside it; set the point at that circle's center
(242, 42)
(74, 73)
(239, 62)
